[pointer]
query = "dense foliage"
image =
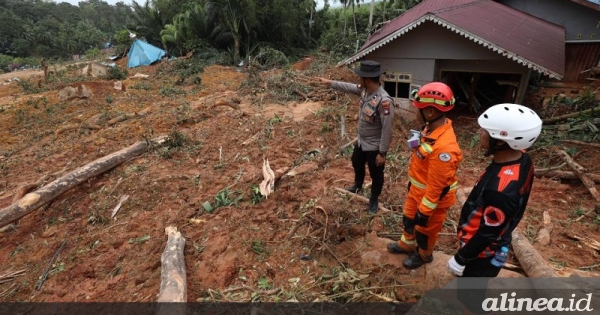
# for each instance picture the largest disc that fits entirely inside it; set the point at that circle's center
(34, 29)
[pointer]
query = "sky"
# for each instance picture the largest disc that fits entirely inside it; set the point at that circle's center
(75, 2)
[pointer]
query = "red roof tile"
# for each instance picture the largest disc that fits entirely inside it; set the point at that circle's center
(526, 39)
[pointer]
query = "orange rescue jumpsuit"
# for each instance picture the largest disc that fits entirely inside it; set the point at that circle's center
(432, 187)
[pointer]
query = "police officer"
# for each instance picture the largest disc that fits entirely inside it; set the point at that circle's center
(376, 115)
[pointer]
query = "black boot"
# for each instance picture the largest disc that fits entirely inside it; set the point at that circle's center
(415, 261)
(373, 204)
(357, 189)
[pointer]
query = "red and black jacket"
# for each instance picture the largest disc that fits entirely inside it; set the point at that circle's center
(494, 208)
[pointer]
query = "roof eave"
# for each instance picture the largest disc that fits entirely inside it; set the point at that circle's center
(431, 17)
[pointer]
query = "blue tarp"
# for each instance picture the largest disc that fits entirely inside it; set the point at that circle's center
(143, 54)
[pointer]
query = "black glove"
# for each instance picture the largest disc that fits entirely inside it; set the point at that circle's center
(421, 219)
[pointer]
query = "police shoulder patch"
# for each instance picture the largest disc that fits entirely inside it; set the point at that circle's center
(493, 216)
(385, 105)
(444, 157)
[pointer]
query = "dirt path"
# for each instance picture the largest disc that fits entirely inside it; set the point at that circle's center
(23, 75)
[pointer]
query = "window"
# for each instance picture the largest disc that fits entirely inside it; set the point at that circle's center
(397, 84)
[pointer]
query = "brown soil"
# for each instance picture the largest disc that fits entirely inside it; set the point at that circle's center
(247, 243)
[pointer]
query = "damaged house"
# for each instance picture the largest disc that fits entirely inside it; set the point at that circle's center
(487, 51)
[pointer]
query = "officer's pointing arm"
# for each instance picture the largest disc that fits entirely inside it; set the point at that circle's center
(346, 87)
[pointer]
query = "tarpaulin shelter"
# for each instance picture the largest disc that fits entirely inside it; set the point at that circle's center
(143, 54)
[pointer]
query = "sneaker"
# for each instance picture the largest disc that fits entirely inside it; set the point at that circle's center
(415, 261)
(395, 248)
(354, 189)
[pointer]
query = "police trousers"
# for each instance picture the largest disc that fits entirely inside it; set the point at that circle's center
(359, 159)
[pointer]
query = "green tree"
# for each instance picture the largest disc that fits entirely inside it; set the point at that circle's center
(238, 17)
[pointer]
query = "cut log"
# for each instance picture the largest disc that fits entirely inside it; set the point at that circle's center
(565, 175)
(571, 115)
(44, 195)
(361, 198)
(534, 265)
(579, 170)
(590, 144)
(343, 148)
(173, 283)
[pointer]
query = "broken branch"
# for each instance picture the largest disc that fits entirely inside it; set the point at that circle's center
(124, 117)
(123, 199)
(9, 276)
(343, 147)
(571, 115)
(579, 170)
(597, 145)
(588, 241)
(45, 274)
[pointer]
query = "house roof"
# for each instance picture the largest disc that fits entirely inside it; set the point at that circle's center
(592, 4)
(538, 44)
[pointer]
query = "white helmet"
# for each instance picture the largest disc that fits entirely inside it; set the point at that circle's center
(514, 124)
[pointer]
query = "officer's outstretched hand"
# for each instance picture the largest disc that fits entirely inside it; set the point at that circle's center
(421, 219)
(323, 81)
(380, 160)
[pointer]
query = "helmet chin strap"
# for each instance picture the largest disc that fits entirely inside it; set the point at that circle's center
(493, 147)
(427, 122)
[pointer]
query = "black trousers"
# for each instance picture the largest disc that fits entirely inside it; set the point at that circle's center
(359, 159)
(477, 274)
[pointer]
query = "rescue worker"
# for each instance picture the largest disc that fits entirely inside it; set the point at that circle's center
(432, 175)
(376, 115)
(499, 198)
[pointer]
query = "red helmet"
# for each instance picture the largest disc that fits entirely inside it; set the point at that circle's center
(436, 94)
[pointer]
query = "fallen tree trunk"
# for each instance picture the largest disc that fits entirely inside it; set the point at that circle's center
(534, 265)
(579, 170)
(591, 144)
(571, 115)
(44, 195)
(565, 175)
(173, 283)
(361, 198)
